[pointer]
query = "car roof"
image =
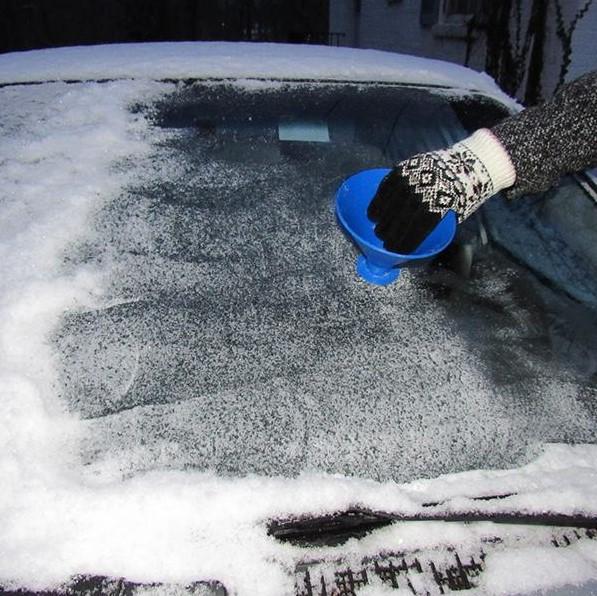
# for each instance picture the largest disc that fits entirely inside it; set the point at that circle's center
(204, 60)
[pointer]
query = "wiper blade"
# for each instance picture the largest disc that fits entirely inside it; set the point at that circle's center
(336, 528)
(328, 530)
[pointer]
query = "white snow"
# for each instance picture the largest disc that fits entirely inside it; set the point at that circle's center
(239, 60)
(57, 151)
(540, 568)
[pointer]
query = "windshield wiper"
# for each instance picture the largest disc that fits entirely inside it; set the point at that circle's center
(336, 528)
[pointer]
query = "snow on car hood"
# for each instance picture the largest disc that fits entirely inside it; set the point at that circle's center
(57, 156)
(239, 60)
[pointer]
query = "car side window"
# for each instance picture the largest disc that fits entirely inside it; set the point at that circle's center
(553, 233)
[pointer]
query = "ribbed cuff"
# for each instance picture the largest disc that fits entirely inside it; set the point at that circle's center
(494, 157)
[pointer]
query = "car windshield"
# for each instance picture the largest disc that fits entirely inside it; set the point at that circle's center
(234, 335)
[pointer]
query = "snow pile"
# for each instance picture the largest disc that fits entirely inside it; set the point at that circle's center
(61, 154)
(56, 151)
(511, 572)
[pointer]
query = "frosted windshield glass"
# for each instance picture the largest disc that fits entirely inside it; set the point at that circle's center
(234, 335)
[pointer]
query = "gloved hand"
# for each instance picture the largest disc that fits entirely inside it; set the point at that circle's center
(418, 192)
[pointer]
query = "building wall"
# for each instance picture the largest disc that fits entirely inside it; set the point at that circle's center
(584, 44)
(396, 27)
(343, 20)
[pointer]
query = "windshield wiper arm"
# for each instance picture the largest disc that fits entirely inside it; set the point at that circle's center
(337, 528)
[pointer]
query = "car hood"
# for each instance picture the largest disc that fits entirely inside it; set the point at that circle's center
(180, 528)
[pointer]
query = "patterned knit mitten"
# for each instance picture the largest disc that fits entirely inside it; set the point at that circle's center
(418, 192)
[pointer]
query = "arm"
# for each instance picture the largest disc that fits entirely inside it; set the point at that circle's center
(556, 138)
(525, 153)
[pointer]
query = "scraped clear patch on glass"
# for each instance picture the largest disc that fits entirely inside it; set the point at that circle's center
(306, 131)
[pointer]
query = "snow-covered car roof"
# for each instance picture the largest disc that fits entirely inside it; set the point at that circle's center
(239, 60)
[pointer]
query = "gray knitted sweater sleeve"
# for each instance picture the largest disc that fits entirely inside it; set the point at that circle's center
(553, 139)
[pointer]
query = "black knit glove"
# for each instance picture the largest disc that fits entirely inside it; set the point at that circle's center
(418, 192)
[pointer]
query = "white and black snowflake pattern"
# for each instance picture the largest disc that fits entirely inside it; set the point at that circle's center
(449, 179)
